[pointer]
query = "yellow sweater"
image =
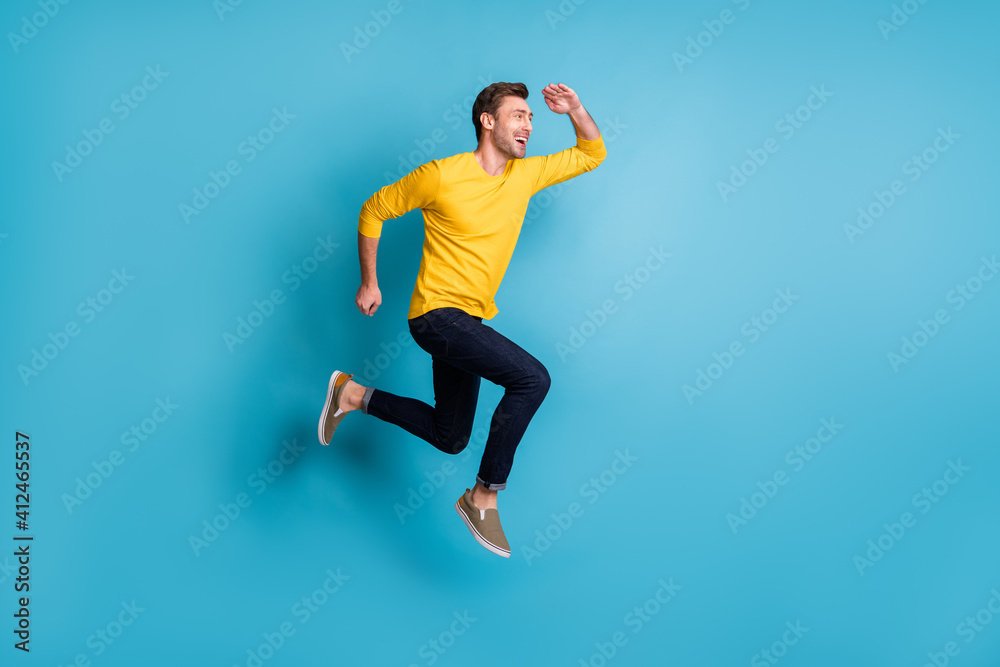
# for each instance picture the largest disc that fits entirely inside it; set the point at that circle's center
(471, 220)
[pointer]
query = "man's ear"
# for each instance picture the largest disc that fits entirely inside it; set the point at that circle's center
(486, 120)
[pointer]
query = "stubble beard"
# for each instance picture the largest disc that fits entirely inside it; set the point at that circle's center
(505, 144)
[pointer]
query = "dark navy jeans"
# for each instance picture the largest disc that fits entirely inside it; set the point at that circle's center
(463, 350)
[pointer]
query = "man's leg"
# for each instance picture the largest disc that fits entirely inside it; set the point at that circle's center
(447, 425)
(476, 348)
(526, 383)
(464, 349)
(471, 346)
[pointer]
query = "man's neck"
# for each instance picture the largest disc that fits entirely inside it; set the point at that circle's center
(490, 159)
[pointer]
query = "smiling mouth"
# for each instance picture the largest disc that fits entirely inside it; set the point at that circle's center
(521, 140)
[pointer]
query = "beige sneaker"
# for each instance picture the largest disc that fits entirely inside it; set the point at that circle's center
(332, 414)
(483, 524)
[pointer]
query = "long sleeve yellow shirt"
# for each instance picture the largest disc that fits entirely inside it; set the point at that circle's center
(471, 220)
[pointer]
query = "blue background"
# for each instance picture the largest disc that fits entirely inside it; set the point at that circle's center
(672, 132)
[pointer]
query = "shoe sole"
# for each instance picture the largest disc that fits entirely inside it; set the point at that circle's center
(475, 533)
(326, 409)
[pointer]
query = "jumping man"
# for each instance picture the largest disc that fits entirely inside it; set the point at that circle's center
(473, 207)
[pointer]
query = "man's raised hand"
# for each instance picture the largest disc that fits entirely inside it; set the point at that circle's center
(560, 97)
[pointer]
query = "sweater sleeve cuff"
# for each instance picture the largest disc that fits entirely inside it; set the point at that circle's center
(593, 148)
(590, 145)
(369, 227)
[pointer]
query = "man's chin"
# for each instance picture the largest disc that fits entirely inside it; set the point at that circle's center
(514, 151)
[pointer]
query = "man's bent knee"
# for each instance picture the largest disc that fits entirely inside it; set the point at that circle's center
(540, 381)
(459, 446)
(449, 444)
(544, 381)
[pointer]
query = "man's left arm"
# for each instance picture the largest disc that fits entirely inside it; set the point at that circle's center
(589, 150)
(584, 125)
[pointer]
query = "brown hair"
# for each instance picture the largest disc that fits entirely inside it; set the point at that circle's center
(489, 100)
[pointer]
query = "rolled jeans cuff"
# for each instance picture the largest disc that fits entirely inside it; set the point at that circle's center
(367, 397)
(492, 487)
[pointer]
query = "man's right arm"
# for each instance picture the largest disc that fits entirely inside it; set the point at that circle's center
(415, 190)
(369, 297)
